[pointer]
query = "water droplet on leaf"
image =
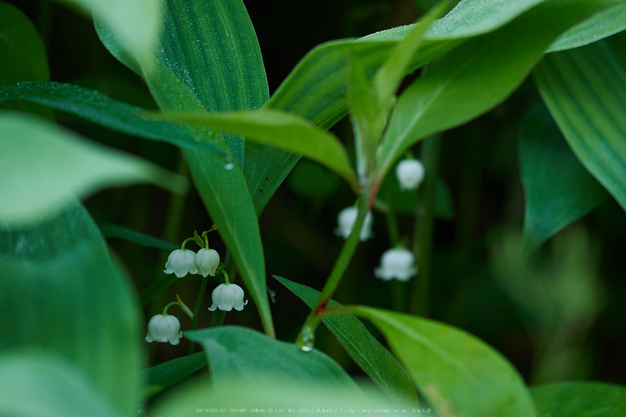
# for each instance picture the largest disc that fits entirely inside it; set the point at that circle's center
(306, 339)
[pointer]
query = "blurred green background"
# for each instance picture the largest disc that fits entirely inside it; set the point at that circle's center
(557, 316)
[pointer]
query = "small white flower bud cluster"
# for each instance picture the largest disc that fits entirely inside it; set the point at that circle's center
(181, 262)
(165, 328)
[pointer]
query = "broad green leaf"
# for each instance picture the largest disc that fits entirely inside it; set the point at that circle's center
(281, 130)
(23, 55)
(60, 291)
(368, 120)
(22, 50)
(584, 90)
(98, 108)
(476, 17)
(367, 352)
(316, 88)
(228, 75)
(35, 383)
(165, 375)
(245, 355)
(281, 397)
(43, 169)
(110, 230)
(599, 26)
(577, 399)
(388, 77)
(136, 23)
(558, 189)
(474, 78)
(458, 374)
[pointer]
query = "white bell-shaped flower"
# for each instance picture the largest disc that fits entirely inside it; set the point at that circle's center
(164, 328)
(181, 262)
(396, 263)
(410, 174)
(347, 218)
(226, 297)
(207, 261)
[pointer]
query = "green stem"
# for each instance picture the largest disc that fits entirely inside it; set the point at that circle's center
(172, 226)
(196, 311)
(392, 227)
(398, 295)
(308, 329)
(424, 225)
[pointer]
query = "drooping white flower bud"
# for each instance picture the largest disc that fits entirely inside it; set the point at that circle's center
(347, 218)
(207, 261)
(164, 329)
(396, 263)
(410, 174)
(226, 297)
(181, 262)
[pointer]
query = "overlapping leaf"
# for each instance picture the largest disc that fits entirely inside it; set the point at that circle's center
(471, 80)
(35, 383)
(366, 351)
(42, 169)
(574, 399)
(599, 26)
(247, 356)
(458, 374)
(61, 292)
(584, 90)
(209, 60)
(558, 189)
(98, 108)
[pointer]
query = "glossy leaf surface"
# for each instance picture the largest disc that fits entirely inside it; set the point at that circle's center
(457, 373)
(165, 375)
(136, 23)
(367, 352)
(43, 169)
(599, 26)
(61, 292)
(38, 384)
(22, 50)
(186, 77)
(472, 79)
(575, 399)
(584, 90)
(245, 355)
(281, 130)
(558, 189)
(98, 108)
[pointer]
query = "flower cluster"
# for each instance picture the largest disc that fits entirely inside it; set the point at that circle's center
(184, 261)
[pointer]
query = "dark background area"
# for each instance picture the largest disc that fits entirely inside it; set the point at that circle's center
(479, 166)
